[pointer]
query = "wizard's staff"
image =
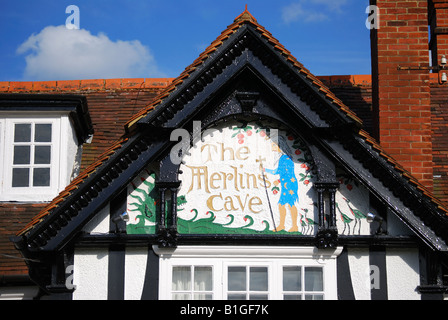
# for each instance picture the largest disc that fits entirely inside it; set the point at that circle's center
(260, 159)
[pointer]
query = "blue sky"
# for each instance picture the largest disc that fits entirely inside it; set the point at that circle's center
(159, 38)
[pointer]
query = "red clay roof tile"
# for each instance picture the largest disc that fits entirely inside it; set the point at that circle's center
(4, 86)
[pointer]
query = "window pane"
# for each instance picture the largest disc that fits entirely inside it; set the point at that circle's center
(292, 278)
(203, 280)
(292, 297)
(42, 133)
(181, 296)
(237, 278)
(181, 278)
(258, 297)
(313, 279)
(22, 132)
(236, 296)
(314, 297)
(21, 155)
(258, 279)
(41, 177)
(20, 177)
(203, 296)
(42, 154)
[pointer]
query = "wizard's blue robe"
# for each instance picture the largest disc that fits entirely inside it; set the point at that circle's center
(288, 181)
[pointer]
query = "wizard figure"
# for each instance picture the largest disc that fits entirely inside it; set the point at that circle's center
(288, 184)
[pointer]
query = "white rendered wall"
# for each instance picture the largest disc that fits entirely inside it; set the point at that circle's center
(100, 223)
(135, 271)
(359, 263)
(90, 274)
(402, 274)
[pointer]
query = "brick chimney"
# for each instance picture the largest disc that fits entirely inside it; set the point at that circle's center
(400, 79)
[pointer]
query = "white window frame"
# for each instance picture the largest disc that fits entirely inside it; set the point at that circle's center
(270, 265)
(2, 155)
(303, 292)
(220, 257)
(198, 263)
(58, 151)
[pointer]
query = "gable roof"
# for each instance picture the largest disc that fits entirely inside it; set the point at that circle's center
(57, 224)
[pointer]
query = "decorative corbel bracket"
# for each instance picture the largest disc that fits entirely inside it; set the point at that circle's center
(247, 100)
(327, 234)
(167, 234)
(327, 238)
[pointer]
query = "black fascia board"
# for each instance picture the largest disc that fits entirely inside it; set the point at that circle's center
(132, 240)
(76, 105)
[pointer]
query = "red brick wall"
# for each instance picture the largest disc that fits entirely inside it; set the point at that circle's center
(439, 107)
(402, 97)
(438, 20)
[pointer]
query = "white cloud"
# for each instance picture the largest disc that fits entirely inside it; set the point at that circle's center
(331, 4)
(311, 10)
(297, 12)
(57, 53)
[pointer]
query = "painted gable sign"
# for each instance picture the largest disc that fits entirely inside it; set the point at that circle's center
(242, 179)
(246, 179)
(142, 204)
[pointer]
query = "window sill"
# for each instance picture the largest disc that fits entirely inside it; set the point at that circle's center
(29, 196)
(247, 252)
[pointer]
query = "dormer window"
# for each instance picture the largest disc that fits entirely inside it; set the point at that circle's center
(39, 147)
(31, 157)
